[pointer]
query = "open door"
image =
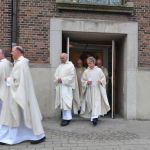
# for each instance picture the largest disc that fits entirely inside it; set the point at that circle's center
(113, 78)
(68, 47)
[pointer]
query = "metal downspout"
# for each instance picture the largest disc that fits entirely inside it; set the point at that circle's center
(14, 23)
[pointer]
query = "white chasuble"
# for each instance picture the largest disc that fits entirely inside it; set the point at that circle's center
(67, 93)
(24, 120)
(95, 101)
(5, 69)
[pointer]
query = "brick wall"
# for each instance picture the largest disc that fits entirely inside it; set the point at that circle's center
(142, 16)
(34, 23)
(33, 27)
(5, 25)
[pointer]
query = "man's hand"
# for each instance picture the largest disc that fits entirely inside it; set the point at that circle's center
(99, 82)
(59, 80)
(89, 82)
(8, 81)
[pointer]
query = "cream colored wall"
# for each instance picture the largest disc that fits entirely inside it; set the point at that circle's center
(120, 78)
(143, 95)
(44, 89)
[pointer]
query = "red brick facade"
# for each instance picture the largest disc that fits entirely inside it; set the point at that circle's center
(5, 24)
(34, 21)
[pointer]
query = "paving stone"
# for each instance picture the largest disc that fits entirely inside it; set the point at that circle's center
(110, 134)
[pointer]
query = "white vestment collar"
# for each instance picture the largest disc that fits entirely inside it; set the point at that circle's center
(2, 60)
(20, 58)
(95, 67)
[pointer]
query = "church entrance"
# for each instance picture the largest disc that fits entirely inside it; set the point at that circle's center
(122, 37)
(104, 47)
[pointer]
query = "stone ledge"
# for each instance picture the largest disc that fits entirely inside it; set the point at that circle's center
(144, 68)
(121, 9)
(36, 65)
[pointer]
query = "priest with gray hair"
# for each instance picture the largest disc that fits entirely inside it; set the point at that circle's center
(99, 64)
(67, 92)
(94, 102)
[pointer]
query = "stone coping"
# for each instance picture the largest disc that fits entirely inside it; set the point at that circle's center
(121, 9)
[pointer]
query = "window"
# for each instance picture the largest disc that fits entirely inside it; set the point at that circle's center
(101, 2)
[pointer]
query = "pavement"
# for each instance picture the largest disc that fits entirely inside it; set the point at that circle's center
(109, 134)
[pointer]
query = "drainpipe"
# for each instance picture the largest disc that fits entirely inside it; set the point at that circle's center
(123, 2)
(14, 23)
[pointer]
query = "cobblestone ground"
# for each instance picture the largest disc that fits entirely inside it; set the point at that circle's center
(110, 134)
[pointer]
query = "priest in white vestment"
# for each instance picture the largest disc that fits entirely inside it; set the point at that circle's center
(5, 69)
(99, 64)
(67, 94)
(95, 102)
(80, 69)
(23, 120)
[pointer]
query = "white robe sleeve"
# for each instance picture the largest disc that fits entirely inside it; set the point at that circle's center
(106, 75)
(102, 78)
(56, 77)
(1, 73)
(84, 80)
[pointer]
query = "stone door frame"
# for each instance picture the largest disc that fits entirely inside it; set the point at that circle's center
(130, 29)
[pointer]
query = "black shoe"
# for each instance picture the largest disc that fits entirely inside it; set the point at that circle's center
(38, 141)
(79, 111)
(1, 143)
(61, 114)
(65, 123)
(95, 121)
